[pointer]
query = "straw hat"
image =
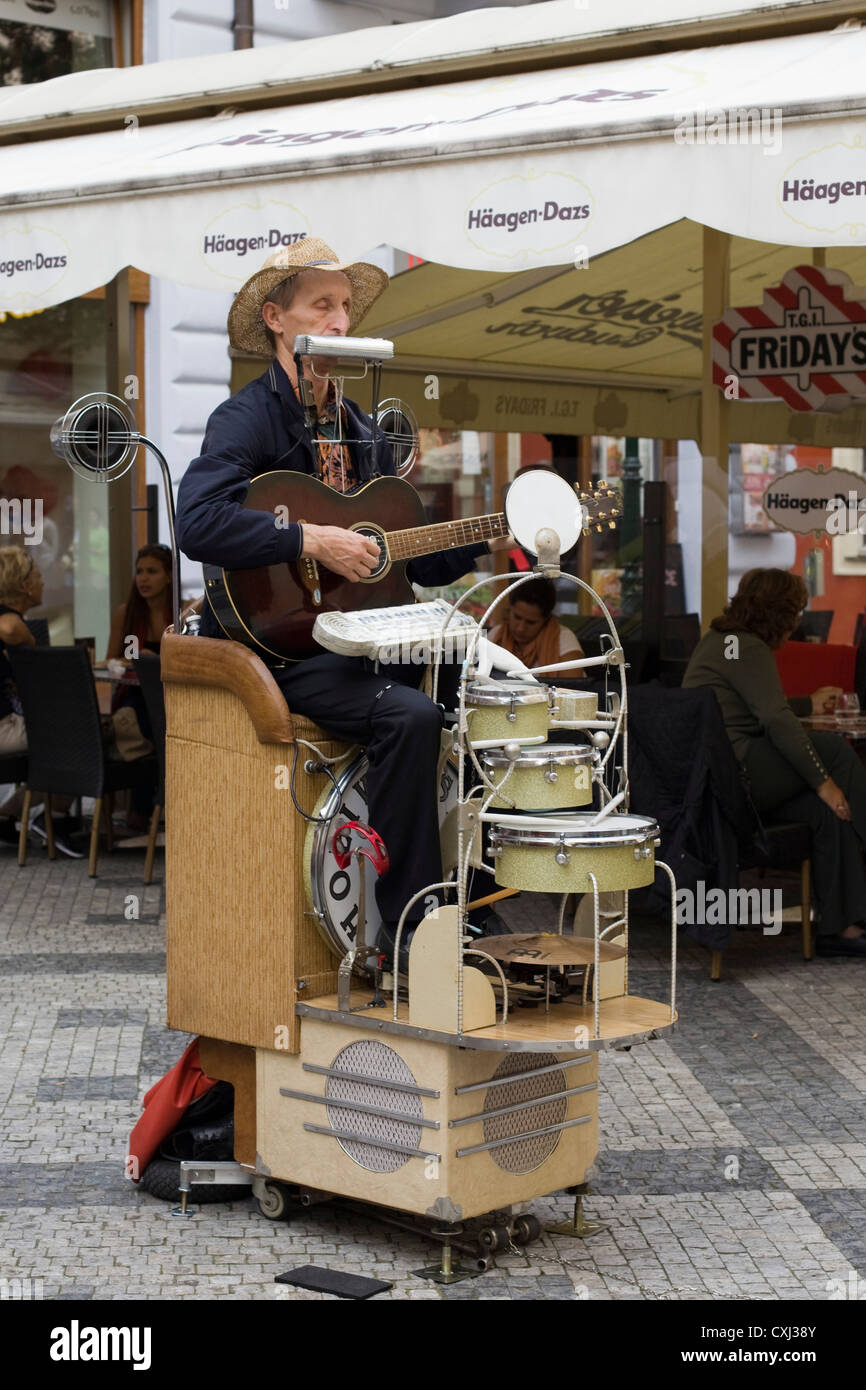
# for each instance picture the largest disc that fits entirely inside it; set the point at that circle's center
(246, 328)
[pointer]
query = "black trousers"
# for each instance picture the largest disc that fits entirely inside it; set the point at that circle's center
(837, 846)
(400, 729)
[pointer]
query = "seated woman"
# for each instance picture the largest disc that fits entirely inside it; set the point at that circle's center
(815, 778)
(531, 632)
(20, 590)
(148, 611)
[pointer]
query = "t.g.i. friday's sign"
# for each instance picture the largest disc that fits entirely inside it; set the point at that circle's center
(805, 344)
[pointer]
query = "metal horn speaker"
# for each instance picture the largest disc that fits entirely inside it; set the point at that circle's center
(401, 430)
(99, 439)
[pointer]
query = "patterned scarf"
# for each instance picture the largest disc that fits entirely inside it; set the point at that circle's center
(335, 465)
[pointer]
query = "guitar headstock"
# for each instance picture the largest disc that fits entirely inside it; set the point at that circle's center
(601, 506)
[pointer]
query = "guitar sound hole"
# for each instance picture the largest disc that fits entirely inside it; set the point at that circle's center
(379, 540)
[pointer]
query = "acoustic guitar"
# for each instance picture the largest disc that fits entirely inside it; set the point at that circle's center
(273, 608)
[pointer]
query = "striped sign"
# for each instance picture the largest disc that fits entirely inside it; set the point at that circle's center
(805, 345)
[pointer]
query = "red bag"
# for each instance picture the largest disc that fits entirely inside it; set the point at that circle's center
(164, 1107)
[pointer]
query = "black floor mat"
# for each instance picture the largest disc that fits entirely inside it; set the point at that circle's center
(334, 1281)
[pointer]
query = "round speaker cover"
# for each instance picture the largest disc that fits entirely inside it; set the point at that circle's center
(539, 500)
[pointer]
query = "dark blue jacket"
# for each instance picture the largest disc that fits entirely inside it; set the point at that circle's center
(259, 429)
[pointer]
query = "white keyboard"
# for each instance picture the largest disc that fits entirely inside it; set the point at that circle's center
(391, 634)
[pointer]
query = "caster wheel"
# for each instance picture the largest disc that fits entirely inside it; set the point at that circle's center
(274, 1203)
(492, 1238)
(526, 1228)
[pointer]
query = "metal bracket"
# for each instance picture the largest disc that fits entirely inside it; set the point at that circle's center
(223, 1172)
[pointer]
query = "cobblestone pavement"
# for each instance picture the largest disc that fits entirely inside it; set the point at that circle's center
(732, 1160)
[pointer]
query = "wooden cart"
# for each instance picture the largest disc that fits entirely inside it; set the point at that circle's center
(408, 1112)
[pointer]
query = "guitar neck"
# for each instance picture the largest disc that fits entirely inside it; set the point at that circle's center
(445, 535)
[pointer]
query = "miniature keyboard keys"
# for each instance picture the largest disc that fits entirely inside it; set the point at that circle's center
(391, 634)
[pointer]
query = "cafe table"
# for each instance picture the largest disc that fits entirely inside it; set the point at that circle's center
(108, 681)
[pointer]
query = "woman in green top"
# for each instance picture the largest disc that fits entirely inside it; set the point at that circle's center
(814, 778)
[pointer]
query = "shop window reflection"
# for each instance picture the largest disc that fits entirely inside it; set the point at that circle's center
(36, 53)
(47, 359)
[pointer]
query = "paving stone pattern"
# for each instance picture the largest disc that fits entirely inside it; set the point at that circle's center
(732, 1160)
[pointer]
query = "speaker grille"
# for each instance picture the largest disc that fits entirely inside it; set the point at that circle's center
(524, 1155)
(380, 1063)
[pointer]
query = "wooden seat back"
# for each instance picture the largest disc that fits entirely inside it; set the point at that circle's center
(242, 944)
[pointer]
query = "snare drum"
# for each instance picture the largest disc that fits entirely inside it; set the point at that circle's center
(506, 712)
(571, 706)
(556, 854)
(546, 777)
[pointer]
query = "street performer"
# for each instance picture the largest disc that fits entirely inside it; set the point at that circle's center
(304, 288)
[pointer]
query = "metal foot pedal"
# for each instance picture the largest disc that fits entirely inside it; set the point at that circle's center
(578, 1227)
(333, 1281)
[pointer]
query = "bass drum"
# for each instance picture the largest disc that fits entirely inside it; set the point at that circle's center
(332, 892)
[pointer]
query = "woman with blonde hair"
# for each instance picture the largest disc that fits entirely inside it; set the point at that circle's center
(793, 775)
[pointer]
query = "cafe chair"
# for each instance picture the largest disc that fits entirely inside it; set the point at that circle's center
(814, 627)
(147, 668)
(780, 845)
(13, 770)
(66, 755)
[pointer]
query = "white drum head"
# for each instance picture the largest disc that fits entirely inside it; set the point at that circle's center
(541, 499)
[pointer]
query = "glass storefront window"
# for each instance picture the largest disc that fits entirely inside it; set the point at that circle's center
(47, 360)
(40, 39)
(454, 475)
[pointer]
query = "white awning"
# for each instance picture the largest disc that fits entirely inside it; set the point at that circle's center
(566, 30)
(512, 173)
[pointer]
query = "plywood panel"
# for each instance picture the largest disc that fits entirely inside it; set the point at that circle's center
(238, 931)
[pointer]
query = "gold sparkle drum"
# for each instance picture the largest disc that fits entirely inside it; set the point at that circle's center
(506, 712)
(543, 777)
(556, 854)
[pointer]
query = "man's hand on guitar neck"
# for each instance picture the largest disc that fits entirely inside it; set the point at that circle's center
(345, 552)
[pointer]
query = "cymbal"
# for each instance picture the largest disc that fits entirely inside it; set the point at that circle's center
(548, 948)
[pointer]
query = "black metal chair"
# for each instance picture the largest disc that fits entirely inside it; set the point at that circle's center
(13, 769)
(814, 626)
(66, 755)
(147, 669)
(780, 845)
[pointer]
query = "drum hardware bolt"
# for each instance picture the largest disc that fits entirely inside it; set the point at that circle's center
(600, 739)
(511, 750)
(647, 852)
(562, 855)
(302, 984)
(637, 854)
(657, 843)
(551, 775)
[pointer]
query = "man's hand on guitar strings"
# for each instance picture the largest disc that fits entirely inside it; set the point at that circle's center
(345, 552)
